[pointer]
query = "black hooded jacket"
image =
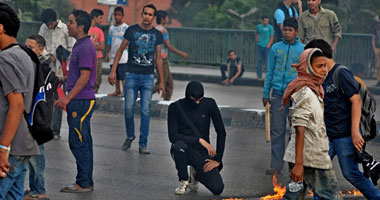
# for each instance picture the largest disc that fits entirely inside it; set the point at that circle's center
(201, 115)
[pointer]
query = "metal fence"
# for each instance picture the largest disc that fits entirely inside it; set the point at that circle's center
(210, 46)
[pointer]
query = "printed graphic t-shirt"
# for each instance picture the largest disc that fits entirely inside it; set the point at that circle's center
(265, 32)
(83, 57)
(141, 49)
(97, 36)
(115, 37)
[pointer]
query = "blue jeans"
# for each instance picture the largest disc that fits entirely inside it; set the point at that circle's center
(36, 172)
(261, 56)
(12, 186)
(278, 118)
(133, 84)
(79, 114)
(322, 181)
(344, 149)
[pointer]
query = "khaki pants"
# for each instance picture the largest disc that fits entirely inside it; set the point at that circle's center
(98, 81)
(168, 81)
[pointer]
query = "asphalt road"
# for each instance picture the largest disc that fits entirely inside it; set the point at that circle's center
(128, 175)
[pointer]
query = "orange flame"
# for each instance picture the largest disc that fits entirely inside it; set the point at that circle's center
(280, 191)
(355, 192)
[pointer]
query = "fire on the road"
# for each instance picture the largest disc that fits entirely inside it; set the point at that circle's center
(280, 192)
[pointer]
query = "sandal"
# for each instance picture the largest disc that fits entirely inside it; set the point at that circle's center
(30, 195)
(75, 188)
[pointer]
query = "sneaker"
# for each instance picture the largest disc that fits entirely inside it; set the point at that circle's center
(181, 189)
(143, 150)
(272, 171)
(193, 185)
(127, 144)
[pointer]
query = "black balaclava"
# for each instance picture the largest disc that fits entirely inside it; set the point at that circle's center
(193, 89)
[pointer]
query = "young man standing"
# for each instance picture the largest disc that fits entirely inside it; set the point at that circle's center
(342, 117)
(115, 37)
(162, 21)
(234, 69)
(319, 23)
(17, 74)
(80, 100)
(284, 11)
(279, 74)
(144, 48)
(55, 34)
(36, 163)
(97, 38)
(264, 39)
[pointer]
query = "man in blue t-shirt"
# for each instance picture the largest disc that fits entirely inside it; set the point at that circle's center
(285, 10)
(342, 117)
(144, 42)
(264, 38)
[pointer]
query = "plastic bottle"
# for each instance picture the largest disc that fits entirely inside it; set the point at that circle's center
(295, 186)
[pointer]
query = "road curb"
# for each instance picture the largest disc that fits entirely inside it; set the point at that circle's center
(232, 117)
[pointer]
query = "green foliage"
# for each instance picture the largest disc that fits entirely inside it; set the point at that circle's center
(30, 10)
(355, 16)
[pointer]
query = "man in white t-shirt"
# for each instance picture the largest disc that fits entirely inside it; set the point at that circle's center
(115, 37)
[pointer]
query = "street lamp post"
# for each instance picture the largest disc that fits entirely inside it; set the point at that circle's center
(242, 16)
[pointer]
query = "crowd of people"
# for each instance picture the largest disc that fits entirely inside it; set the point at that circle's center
(299, 86)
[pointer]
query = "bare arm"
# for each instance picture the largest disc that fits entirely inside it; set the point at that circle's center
(79, 85)
(335, 43)
(160, 70)
(119, 53)
(99, 46)
(299, 7)
(13, 119)
(107, 58)
(270, 42)
(356, 110)
(175, 50)
(237, 74)
(297, 172)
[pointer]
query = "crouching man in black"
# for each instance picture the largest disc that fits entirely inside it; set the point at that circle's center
(188, 126)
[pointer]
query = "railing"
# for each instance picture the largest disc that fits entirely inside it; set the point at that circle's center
(210, 46)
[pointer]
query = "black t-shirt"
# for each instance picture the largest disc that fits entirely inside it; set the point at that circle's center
(235, 62)
(337, 104)
(141, 48)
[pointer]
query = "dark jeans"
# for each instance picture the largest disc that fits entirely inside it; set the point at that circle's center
(184, 156)
(233, 71)
(278, 119)
(261, 56)
(79, 114)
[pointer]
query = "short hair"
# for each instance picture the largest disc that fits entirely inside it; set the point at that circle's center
(230, 51)
(161, 14)
(48, 15)
(291, 22)
(322, 45)
(96, 13)
(9, 20)
(264, 17)
(82, 18)
(315, 55)
(150, 6)
(38, 38)
(120, 9)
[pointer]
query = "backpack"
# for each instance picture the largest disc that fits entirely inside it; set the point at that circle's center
(367, 124)
(39, 118)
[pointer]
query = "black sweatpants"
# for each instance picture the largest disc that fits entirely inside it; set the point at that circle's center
(184, 156)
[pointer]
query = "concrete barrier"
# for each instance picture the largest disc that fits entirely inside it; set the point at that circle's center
(232, 117)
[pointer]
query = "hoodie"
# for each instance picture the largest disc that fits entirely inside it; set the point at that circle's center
(279, 71)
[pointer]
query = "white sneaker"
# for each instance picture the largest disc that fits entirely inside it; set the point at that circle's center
(181, 189)
(193, 185)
